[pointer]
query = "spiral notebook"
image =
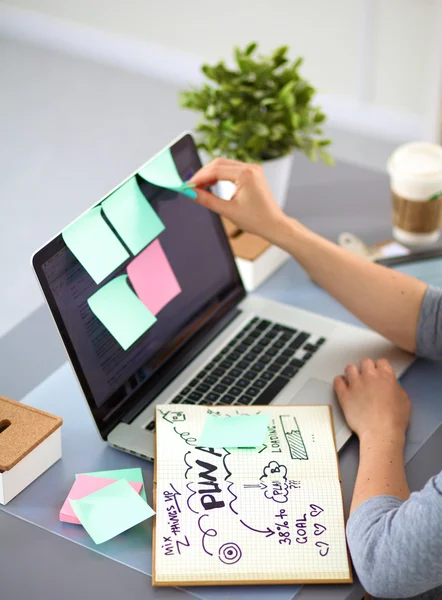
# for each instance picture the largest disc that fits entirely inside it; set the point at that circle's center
(230, 516)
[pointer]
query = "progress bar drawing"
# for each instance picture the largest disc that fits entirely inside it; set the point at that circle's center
(293, 437)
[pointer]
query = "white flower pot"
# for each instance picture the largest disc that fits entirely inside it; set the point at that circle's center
(277, 173)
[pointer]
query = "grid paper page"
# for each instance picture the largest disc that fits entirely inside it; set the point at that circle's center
(269, 514)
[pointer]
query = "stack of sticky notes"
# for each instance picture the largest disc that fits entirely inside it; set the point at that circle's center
(107, 503)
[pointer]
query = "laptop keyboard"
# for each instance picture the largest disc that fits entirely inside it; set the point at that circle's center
(254, 366)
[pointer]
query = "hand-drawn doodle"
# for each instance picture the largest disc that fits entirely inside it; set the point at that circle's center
(240, 413)
(269, 532)
(206, 470)
(274, 476)
(206, 533)
(294, 485)
(167, 546)
(315, 510)
(186, 544)
(274, 469)
(301, 529)
(186, 436)
(172, 496)
(217, 413)
(189, 467)
(319, 529)
(174, 416)
(293, 437)
(235, 497)
(323, 548)
(259, 486)
(231, 483)
(188, 486)
(229, 553)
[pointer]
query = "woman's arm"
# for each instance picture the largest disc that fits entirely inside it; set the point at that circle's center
(387, 301)
(395, 539)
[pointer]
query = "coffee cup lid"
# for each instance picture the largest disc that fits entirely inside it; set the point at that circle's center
(420, 160)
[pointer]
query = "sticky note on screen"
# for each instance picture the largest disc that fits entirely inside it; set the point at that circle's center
(121, 311)
(245, 431)
(132, 216)
(83, 486)
(111, 510)
(152, 278)
(126, 474)
(94, 245)
(162, 171)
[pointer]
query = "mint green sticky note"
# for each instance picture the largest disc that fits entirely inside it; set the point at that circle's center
(162, 171)
(94, 245)
(108, 512)
(132, 216)
(121, 311)
(244, 431)
(126, 474)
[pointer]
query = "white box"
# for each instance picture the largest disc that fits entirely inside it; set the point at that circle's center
(254, 272)
(255, 257)
(30, 443)
(33, 465)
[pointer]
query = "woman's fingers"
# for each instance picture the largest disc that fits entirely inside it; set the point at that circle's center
(212, 202)
(217, 170)
(340, 387)
(383, 364)
(367, 366)
(351, 373)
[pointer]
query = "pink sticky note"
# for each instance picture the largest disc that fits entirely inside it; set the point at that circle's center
(83, 486)
(152, 278)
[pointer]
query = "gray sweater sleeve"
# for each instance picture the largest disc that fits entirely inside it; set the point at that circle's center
(429, 329)
(396, 545)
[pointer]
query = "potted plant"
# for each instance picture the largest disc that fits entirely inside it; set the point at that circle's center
(259, 111)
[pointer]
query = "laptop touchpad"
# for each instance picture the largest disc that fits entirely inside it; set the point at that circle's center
(316, 391)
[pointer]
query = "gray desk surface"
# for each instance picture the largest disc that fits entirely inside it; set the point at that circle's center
(84, 451)
(38, 559)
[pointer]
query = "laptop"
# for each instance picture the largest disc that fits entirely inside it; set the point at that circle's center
(210, 343)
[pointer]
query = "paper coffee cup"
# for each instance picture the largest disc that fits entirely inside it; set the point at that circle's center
(416, 187)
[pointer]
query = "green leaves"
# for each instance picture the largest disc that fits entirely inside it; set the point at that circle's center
(210, 111)
(261, 130)
(258, 110)
(250, 48)
(279, 56)
(326, 157)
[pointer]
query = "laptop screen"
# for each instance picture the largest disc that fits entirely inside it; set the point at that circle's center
(194, 279)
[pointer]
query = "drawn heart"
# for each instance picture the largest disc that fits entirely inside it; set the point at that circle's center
(323, 548)
(319, 529)
(316, 510)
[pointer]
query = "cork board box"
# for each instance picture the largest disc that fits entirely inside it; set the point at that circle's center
(255, 257)
(30, 442)
(244, 245)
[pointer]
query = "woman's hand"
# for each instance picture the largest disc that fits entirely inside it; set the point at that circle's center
(373, 402)
(378, 410)
(252, 208)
